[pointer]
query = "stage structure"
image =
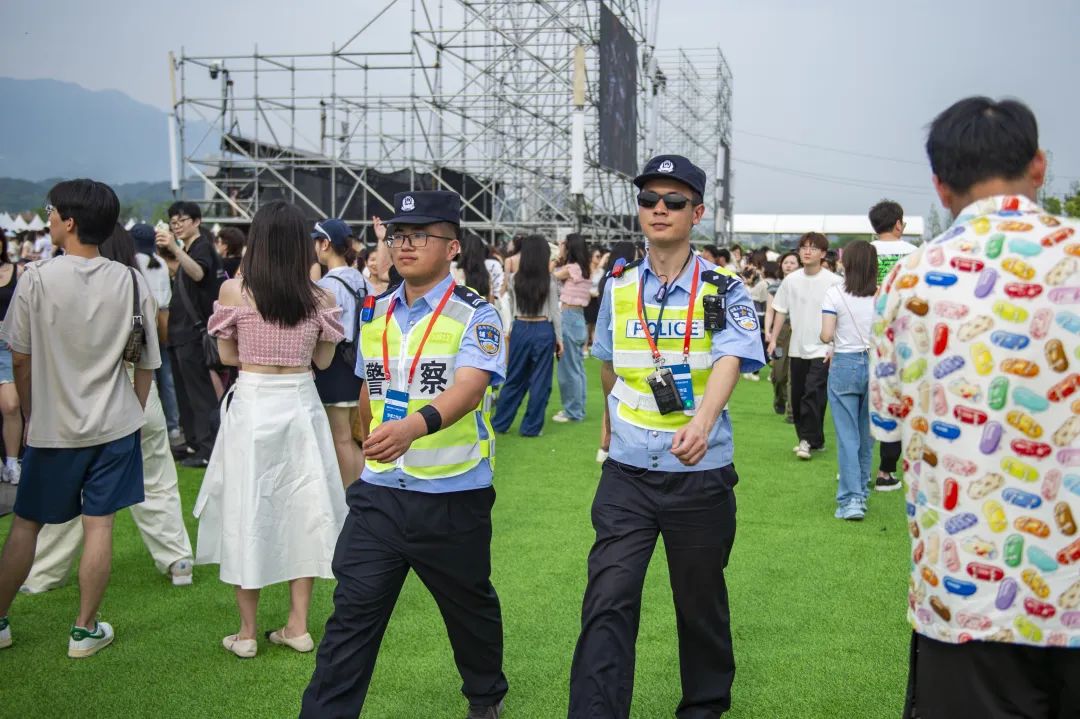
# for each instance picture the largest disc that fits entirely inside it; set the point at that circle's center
(475, 96)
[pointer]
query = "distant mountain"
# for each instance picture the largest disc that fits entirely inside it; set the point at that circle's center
(54, 129)
(137, 199)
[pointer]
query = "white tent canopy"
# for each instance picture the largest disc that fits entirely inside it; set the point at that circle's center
(36, 224)
(825, 224)
(5, 221)
(19, 225)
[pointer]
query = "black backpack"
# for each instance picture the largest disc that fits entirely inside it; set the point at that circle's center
(348, 349)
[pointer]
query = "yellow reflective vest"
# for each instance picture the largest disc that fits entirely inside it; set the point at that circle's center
(453, 449)
(632, 357)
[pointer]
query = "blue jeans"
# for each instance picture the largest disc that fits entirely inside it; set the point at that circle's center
(849, 395)
(167, 391)
(572, 364)
(532, 350)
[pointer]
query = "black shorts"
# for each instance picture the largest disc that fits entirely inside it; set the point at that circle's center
(58, 485)
(338, 382)
(991, 680)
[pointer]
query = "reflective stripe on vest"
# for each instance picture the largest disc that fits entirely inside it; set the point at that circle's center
(632, 358)
(454, 449)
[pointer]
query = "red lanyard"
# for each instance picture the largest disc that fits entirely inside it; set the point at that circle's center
(657, 357)
(423, 340)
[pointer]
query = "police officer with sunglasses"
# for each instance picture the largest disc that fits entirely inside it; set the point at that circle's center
(673, 332)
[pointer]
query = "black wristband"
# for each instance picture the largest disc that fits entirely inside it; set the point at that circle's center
(431, 417)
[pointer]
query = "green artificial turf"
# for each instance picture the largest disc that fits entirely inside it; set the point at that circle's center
(817, 604)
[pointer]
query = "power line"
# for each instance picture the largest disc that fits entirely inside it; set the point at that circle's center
(838, 180)
(841, 151)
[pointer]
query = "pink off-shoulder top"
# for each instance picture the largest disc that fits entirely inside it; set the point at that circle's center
(266, 343)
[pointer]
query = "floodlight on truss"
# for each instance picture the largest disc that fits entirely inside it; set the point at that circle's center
(473, 96)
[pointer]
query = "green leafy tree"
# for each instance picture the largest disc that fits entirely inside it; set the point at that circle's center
(1052, 204)
(934, 226)
(1072, 203)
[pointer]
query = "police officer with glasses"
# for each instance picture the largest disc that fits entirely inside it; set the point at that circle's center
(674, 332)
(429, 351)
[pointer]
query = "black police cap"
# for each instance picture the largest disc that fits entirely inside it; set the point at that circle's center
(673, 167)
(424, 207)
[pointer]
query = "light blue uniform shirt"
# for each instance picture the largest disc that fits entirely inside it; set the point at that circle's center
(346, 300)
(651, 449)
(470, 355)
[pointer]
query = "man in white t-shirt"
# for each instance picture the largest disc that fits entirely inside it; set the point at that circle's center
(887, 219)
(43, 246)
(801, 295)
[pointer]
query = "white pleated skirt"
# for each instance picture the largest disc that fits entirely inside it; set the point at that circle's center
(271, 504)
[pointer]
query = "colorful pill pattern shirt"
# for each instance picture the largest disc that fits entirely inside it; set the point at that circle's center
(976, 371)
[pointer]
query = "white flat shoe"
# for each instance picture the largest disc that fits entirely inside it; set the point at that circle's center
(243, 648)
(302, 644)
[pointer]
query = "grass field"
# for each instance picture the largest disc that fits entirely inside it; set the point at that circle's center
(817, 605)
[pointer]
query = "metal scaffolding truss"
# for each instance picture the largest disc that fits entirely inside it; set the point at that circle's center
(479, 89)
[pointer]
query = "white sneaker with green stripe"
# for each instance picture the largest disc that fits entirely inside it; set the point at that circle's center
(5, 633)
(85, 643)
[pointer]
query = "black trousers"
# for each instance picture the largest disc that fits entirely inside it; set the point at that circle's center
(809, 394)
(695, 512)
(991, 680)
(195, 394)
(446, 540)
(890, 456)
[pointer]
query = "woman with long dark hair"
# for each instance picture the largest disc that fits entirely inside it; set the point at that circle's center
(338, 385)
(159, 516)
(575, 270)
(470, 268)
(9, 398)
(272, 503)
(534, 305)
(846, 315)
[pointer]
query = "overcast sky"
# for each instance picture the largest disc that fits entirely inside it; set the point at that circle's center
(861, 76)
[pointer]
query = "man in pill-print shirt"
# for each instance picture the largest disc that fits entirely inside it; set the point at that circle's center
(976, 371)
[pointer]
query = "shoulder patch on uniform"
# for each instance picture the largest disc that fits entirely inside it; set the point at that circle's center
(489, 337)
(743, 316)
(469, 297)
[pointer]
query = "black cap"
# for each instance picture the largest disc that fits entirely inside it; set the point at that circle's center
(143, 236)
(673, 167)
(426, 206)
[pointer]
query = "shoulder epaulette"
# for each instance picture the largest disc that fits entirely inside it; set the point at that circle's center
(468, 296)
(624, 268)
(723, 278)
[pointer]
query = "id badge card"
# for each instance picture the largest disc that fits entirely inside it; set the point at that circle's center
(396, 405)
(683, 383)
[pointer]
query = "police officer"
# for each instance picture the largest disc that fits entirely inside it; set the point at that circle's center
(429, 352)
(673, 333)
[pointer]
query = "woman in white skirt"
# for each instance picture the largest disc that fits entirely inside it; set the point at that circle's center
(271, 504)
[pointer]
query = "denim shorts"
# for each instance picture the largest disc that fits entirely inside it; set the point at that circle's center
(7, 374)
(58, 485)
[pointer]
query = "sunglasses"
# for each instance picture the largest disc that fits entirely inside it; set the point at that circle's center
(672, 200)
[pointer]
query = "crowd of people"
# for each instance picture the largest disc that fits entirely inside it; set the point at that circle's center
(344, 401)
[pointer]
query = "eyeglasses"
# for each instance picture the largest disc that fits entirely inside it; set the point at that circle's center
(178, 220)
(416, 239)
(672, 200)
(49, 209)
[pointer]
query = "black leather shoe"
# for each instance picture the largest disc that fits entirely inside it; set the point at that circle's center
(485, 712)
(195, 462)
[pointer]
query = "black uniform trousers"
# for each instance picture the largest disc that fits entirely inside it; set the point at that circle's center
(991, 680)
(199, 415)
(809, 395)
(695, 513)
(446, 540)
